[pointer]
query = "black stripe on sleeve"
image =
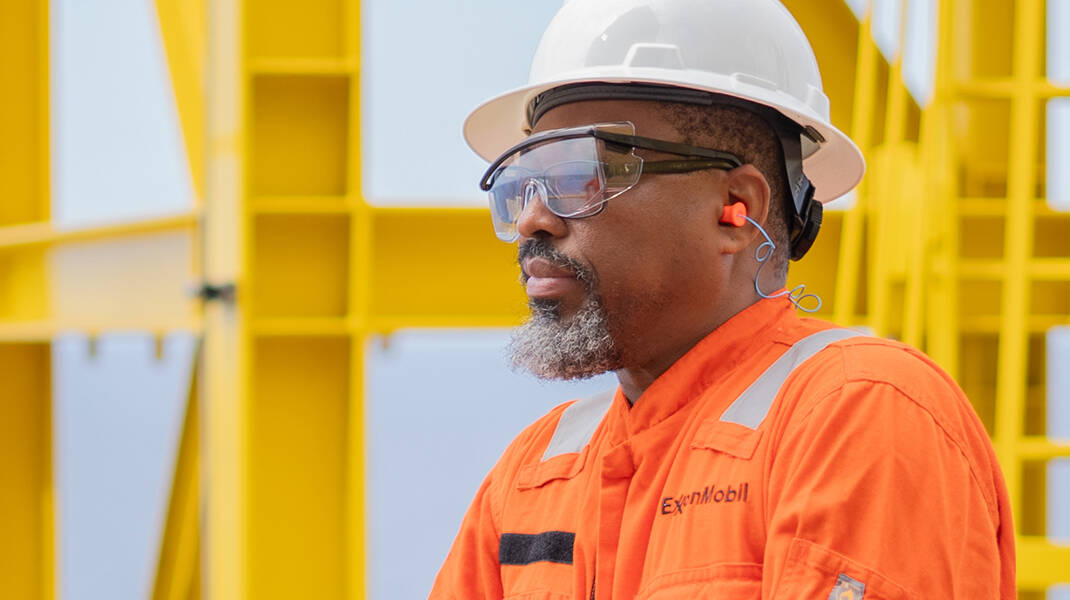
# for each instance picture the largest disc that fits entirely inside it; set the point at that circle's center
(526, 548)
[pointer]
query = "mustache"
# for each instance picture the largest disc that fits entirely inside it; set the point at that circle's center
(540, 248)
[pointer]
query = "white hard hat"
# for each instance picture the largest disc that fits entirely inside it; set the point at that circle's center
(748, 49)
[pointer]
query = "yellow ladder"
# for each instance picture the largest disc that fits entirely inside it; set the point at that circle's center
(952, 247)
(1012, 264)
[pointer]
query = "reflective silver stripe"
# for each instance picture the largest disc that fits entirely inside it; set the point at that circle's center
(578, 423)
(751, 407)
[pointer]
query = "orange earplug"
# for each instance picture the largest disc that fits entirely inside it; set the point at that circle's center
(735, 214)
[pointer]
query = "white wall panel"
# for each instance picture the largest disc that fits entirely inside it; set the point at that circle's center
(117, 149)
(117, 421)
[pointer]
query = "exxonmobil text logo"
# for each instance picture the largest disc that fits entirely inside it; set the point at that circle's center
(675, 505)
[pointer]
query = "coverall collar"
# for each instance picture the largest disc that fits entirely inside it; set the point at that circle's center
(710, 360)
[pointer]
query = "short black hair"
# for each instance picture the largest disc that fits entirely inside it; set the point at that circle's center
(753, 140)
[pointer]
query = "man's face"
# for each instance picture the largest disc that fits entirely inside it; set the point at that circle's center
(620, 288)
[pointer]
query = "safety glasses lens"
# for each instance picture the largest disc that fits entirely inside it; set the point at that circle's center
(574, 177)
(576, 187)
(507, 201)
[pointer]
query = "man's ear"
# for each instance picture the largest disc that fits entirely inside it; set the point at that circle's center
(747, 186)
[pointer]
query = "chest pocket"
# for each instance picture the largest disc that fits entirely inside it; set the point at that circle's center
(738, 581)
(728, 438)
(567, 451)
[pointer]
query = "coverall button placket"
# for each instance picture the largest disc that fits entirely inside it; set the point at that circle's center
(617, 469)
(668, 399)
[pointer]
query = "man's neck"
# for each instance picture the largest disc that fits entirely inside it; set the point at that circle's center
(635, 380)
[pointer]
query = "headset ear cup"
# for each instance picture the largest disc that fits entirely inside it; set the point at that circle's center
(805, 237)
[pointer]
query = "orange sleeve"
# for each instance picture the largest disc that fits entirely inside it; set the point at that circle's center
(471, 569)
(870, 493)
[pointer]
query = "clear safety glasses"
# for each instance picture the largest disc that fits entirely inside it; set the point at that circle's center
(576, 171)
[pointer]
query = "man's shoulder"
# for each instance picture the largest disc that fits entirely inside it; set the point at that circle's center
(568, 424)
(866, 385)
(869, 358)
(877, 380)
(880, 361)
(851, 370)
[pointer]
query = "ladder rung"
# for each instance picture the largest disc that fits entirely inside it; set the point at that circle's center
(993, 323)
(1042, 448)
(997, 207)
(981, 269)
(1049, 269)
(302, 66)
(1040, 563)
(1007, 87)
(302, 326)
(1038, 269)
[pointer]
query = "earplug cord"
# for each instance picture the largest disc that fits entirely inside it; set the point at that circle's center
(762, 254)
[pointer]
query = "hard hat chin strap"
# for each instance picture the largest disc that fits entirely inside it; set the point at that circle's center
(803, 227)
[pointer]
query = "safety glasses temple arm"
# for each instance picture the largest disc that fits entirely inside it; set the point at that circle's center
(687, 165)
(668, 147)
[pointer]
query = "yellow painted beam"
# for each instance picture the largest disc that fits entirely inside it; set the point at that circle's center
(941, 172)
(863, 105)
(224, 407)
(299, 412)
(1018, 243)
(1038, 448)
(43, 233)
(361, 250)
(1041, 564)
(54, 280)
(307, 291)
(917, 231)
(355, 562)
(27, 563)
(176, 572)
(25, 331)
(441, 262)
(314, 29)
(24, 111)
(24, 286)
(832, 30)
(26, 556)
(183, 28)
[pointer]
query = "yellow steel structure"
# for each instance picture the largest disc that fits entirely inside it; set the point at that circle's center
(1012, 259)
(114, 278)
(26, 558)
(963, 257)
(950, 247)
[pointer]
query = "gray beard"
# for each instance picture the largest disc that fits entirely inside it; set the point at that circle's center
(551, 348)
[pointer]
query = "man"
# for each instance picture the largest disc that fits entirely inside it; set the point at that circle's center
(666, 160)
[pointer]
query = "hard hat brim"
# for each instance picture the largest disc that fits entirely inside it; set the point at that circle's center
(835, 168)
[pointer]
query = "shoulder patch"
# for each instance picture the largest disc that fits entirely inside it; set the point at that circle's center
(847, 588)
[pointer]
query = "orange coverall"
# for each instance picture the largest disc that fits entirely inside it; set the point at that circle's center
(868, 477)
